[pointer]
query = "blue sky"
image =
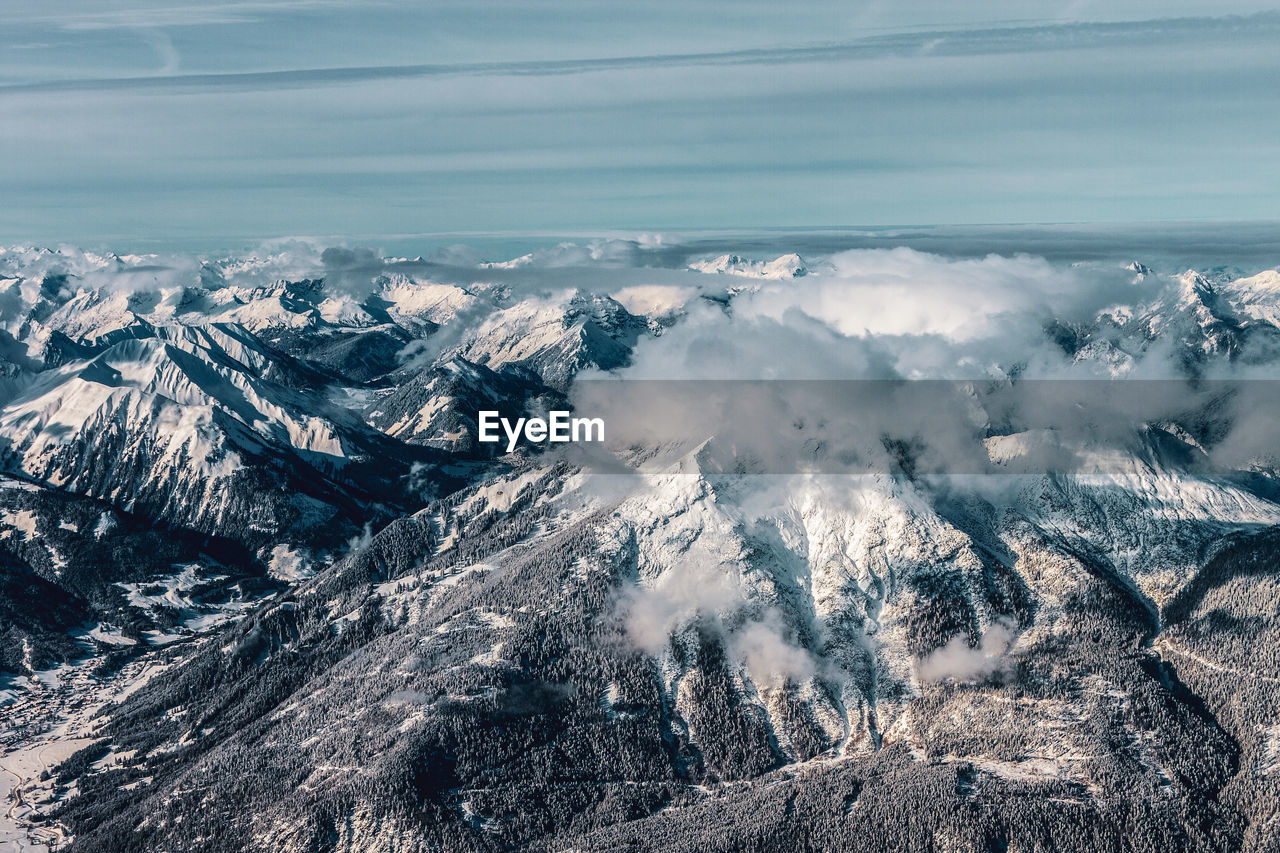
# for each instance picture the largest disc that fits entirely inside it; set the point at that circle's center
(150, 121)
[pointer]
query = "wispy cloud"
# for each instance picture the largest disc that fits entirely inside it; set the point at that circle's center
(949, 43)
(165, 51)
(150, 120)
(193, 15)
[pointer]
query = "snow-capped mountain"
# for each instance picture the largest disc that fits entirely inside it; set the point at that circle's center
(170, 426)
(558, 337)
(436, 406)
(782, 267)
(245, 521)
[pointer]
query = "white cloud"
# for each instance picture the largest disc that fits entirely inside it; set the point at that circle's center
(958, 660)
(770, 658)
(699, 585)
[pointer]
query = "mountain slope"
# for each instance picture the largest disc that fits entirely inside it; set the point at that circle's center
(840, 634)
(256, 568)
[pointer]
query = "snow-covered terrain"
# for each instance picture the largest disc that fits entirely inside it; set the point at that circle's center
(245, 516)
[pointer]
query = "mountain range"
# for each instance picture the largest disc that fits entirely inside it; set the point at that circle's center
(262, 588)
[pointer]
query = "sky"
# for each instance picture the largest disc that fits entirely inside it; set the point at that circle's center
(132, 123)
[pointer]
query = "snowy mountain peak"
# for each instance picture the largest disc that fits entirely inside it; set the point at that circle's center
(782, 267)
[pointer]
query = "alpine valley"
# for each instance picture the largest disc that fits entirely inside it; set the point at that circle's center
(261, 588)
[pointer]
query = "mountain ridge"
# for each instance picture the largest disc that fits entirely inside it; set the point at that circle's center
(249, 520)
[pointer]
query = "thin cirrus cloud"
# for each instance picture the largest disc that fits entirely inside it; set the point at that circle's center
(1191, 32)
(226, 122)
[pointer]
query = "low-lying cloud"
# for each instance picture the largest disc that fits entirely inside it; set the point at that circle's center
(652, 613)
(959, 661)
(710, 593)
(771, 658)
